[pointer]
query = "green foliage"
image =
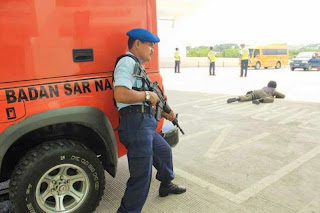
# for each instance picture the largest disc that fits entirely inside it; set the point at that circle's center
(197, 51)
(225, 50)
(229, 53)
(221, 47)
(294, 53)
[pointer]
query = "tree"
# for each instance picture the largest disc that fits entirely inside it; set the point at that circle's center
(227, 50)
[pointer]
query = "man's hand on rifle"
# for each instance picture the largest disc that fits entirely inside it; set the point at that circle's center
(171, 116)
(153, 98)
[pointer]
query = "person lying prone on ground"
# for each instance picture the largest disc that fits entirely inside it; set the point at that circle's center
(264, 95)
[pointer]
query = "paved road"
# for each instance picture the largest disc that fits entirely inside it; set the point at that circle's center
(238, 157)
(298, 85)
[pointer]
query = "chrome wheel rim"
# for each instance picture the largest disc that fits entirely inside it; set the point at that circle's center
(63, 188)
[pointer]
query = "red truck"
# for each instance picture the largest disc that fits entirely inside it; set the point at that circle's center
(57, 116)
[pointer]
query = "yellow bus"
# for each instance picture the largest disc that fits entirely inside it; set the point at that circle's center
(272, 55)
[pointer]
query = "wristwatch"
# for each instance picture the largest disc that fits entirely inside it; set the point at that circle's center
(147, 96)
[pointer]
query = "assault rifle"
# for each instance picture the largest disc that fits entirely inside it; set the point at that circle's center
(154, 87)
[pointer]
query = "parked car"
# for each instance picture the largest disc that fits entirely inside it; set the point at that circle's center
(306, 61)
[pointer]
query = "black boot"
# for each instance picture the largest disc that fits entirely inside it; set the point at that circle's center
(230, 100)
(170, 188)
(256, 101)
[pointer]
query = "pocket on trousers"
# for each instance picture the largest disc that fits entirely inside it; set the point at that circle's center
(140, 143)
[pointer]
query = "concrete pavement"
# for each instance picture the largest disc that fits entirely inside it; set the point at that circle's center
(238, 157)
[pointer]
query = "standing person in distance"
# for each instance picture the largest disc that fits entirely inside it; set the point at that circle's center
(137, 127)
(244, 57)
(177, 61)
(212, 58)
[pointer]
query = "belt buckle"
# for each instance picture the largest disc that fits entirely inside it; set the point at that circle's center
(142, 108)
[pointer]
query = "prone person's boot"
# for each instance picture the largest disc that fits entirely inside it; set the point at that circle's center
(170, 188)
(230, 100)
(257, 101)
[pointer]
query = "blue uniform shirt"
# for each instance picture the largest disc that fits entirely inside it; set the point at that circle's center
(123, 76)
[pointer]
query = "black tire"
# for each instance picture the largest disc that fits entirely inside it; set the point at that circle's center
(57, 172)
(258, 65)
(292, 69)
(266, 67)
(278, 65)
(304, 69)
(309, 67)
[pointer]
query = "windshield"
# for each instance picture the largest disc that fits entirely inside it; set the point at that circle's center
(250, 52)
(305, 55)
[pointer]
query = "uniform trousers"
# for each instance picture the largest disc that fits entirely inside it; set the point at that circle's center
(244, 67)
(257, 94)
(145, 148)
(212, 67)
(177, 67)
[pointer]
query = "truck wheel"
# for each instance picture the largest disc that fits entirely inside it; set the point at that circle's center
(58, 177)
(292, 69)
(309, 67)
(258, 65)
(278, 65)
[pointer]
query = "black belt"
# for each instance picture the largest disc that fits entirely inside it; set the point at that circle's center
(136, 109)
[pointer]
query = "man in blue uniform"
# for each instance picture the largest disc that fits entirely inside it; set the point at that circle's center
(137, 127)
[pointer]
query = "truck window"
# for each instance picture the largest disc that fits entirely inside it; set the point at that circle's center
(256, 53)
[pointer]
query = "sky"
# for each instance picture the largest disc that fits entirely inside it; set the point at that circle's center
(245, 21)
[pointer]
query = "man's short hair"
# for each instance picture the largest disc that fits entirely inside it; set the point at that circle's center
(272, 84)
(130, 42)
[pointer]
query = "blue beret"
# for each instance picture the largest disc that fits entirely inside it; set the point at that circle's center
(143, 35)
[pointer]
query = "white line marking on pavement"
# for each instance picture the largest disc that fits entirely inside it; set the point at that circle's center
(312, 206)
(262, 108)
(187, 118)
(244, 142)
(262, 116)
(203, 132)
(294, 117)
(218, 142)
(215, 104)
(313, 119)
(255, 188)
(265, 182)
(192, 102)
(206, 184)
(281, 113)
(210, 94)
(194, 135)
(231, 108)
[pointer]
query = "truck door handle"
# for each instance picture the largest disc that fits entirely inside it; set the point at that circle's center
(82, 55)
